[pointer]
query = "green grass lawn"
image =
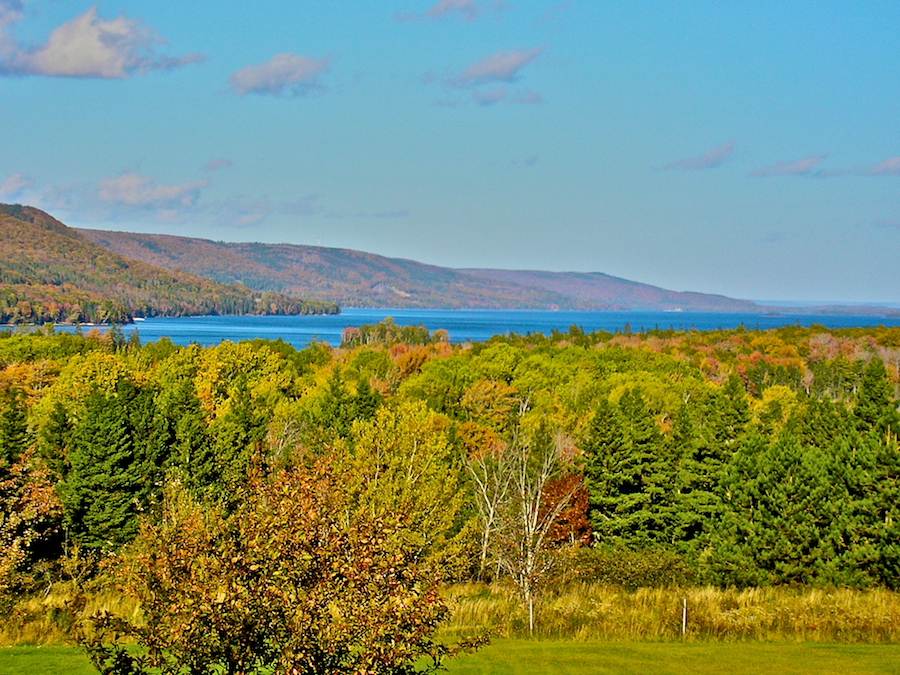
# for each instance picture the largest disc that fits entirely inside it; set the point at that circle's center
(44, 661)
(642, 658)
(606, 658)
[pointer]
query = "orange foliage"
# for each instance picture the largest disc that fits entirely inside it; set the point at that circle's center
(571, 525)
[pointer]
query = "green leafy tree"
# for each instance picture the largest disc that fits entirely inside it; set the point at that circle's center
(402, 460)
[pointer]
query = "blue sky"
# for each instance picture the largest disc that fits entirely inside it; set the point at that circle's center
(744, 148)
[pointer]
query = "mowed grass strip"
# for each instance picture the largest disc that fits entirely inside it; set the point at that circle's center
(44, 660)
(510, 657)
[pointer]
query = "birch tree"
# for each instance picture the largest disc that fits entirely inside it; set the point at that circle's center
(525, 516)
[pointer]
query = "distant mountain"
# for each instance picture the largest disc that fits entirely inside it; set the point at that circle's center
(598, 289)
(356, 279)
(50, 272)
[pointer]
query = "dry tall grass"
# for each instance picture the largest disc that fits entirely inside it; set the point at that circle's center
(48, 619)
(593, 612)
(575, 612)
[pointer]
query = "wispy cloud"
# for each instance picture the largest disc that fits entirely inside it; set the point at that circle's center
(87, 46)
(134, 197)
(555, 14)
(503, 66)
(489, 96)
(240, 211)
(710, 159)
(289, 74)
(773, 237)
(487, 80)
(808, 166)
(888, 167)
(794, 167)
(128, 197)
(137, 191)
(217, 164)
(526, 97)
(15, 186)
(467, 10)
(529, 161)
(887, 224)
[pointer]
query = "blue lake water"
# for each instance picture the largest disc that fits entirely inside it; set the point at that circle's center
(464, 325)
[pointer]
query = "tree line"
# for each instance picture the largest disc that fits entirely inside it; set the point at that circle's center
(748, 457)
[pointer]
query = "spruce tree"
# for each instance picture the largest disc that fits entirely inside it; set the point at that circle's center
(110, 480)
(629, 475)
(875, 407)
(13, 428)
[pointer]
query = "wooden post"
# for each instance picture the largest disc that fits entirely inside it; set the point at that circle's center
(684, 617)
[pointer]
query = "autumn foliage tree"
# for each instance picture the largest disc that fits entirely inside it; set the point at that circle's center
(281, 585)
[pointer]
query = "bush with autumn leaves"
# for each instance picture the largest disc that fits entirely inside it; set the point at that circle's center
(296, 579)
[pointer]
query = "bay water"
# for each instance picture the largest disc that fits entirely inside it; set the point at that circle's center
(467, 325)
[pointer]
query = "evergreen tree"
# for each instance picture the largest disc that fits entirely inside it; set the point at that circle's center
(819, 422)
(875, 407)
(629, 474)
(723, 416)
(13, 428)
(236, 438)
(54, 440)
(111, 477)
(782, 518)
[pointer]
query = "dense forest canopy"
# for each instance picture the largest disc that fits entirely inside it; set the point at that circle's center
(753, 457)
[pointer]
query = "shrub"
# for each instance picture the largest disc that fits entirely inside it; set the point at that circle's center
(655, 568)
(287, 583)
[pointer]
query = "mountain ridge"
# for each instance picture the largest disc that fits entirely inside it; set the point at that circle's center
(53, 273)
(358, 279)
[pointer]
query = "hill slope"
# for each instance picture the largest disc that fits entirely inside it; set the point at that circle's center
(50, 272)
(357, 279)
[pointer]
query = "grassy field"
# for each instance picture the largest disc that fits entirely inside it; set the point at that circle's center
(579, 658)
(44, 661)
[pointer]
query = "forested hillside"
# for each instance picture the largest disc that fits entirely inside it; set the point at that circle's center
(742, 458)
(357, 279)
(51, 273)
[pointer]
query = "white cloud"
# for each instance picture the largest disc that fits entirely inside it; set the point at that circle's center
(500, 67)
(15, 185)
(467, 10)
(708, 160)
(889, 167)
(88, 46)
(137, 191)
(796, 167)
(218, 163)
(291, 73)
